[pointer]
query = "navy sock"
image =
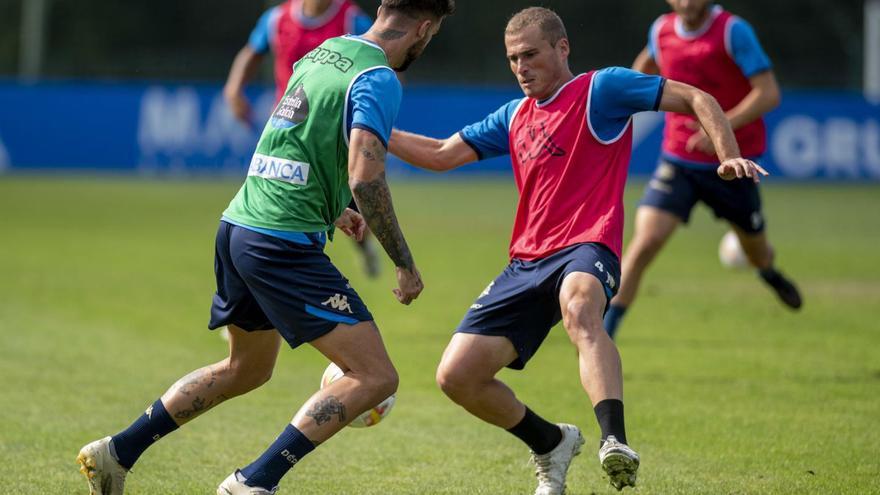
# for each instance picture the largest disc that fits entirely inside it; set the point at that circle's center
(609, 413)
(612, 319)
(130, 443)
(267, 471)
(539, 434)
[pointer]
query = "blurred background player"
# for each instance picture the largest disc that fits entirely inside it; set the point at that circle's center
(707, 47)
(274, 280)
(289, 31)
(570, 140)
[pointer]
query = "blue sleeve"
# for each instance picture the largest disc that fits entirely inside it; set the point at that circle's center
(362, 23)
(260, 36)
(652, 37)
(490, 137)
(373, 103)
(746, 49)
(619, 93)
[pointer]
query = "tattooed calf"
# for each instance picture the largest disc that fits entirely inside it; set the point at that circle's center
(324, 410)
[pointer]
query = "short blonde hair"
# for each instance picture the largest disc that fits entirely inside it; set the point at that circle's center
(549, 22)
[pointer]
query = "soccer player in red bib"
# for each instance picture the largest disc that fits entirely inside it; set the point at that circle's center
(711, 49)
(569, 140)
(290, 31)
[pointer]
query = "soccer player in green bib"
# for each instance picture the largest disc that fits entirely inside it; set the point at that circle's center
(325, 142)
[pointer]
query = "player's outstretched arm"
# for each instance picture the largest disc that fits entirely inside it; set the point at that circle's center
(428, 153)
(366, 177)
(683, 98)
(243, 70)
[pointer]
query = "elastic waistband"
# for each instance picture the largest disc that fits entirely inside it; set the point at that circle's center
(304, 238)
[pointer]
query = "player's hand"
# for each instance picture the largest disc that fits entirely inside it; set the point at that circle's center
(352, 224)
(737, 168)
(699, 140)
(240, 107)
(409, 283)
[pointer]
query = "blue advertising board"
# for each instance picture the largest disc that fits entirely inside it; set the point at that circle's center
(186, 129)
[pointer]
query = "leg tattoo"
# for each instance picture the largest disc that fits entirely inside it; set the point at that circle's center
(323, 410)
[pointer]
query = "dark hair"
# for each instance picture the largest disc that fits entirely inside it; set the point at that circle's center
(436, 8)
(550, 24)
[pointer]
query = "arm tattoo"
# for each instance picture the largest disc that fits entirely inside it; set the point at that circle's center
(391, 34)
(323, 410)
(374, 200)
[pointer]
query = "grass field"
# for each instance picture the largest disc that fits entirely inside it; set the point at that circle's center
(106, 285)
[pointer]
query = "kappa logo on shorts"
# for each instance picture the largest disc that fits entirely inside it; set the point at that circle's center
(665, 172)
(609, 281)
(757, 220)
(600, 266)
(338, 302)
(149, 412)
(487, 290)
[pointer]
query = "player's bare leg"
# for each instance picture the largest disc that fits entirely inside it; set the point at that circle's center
(582, 300)
(251, 359)
(760, 255)
(369, 379)
(467, 375)
(653, 227)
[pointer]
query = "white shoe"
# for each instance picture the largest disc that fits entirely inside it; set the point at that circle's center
(550, 468)
(234, 485)
(103, 472)
(620, 463)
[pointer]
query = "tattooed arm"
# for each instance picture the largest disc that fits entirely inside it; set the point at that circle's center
(366, 171)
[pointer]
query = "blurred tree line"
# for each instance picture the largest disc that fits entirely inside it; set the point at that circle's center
(812, 43)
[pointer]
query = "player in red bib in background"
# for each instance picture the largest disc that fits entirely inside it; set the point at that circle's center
(570, 142)
(709, 48)
(290, 31)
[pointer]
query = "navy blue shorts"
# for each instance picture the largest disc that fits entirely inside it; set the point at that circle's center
(264, 282)
(522, 303)
(677, 189)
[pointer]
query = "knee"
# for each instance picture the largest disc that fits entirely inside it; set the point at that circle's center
(455, 383)
(382, 380)
(582, 323)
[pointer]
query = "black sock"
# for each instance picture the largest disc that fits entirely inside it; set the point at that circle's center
(540, 435)
(768, 274)
(129, 444)
(609, 413)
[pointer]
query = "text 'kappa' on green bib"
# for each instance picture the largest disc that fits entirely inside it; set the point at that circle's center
(298, 177)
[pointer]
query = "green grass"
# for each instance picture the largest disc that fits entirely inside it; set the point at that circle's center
(104, 299)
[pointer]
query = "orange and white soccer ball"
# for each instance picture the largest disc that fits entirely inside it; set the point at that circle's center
(731, 253)
(370, 417)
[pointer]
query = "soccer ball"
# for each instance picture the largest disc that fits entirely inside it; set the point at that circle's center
(731, 253)
(370, 417)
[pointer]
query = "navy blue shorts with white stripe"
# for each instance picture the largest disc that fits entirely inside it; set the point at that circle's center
(266, 282)
(522, 303)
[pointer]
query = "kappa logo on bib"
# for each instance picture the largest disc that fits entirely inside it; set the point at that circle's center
(270, 167)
